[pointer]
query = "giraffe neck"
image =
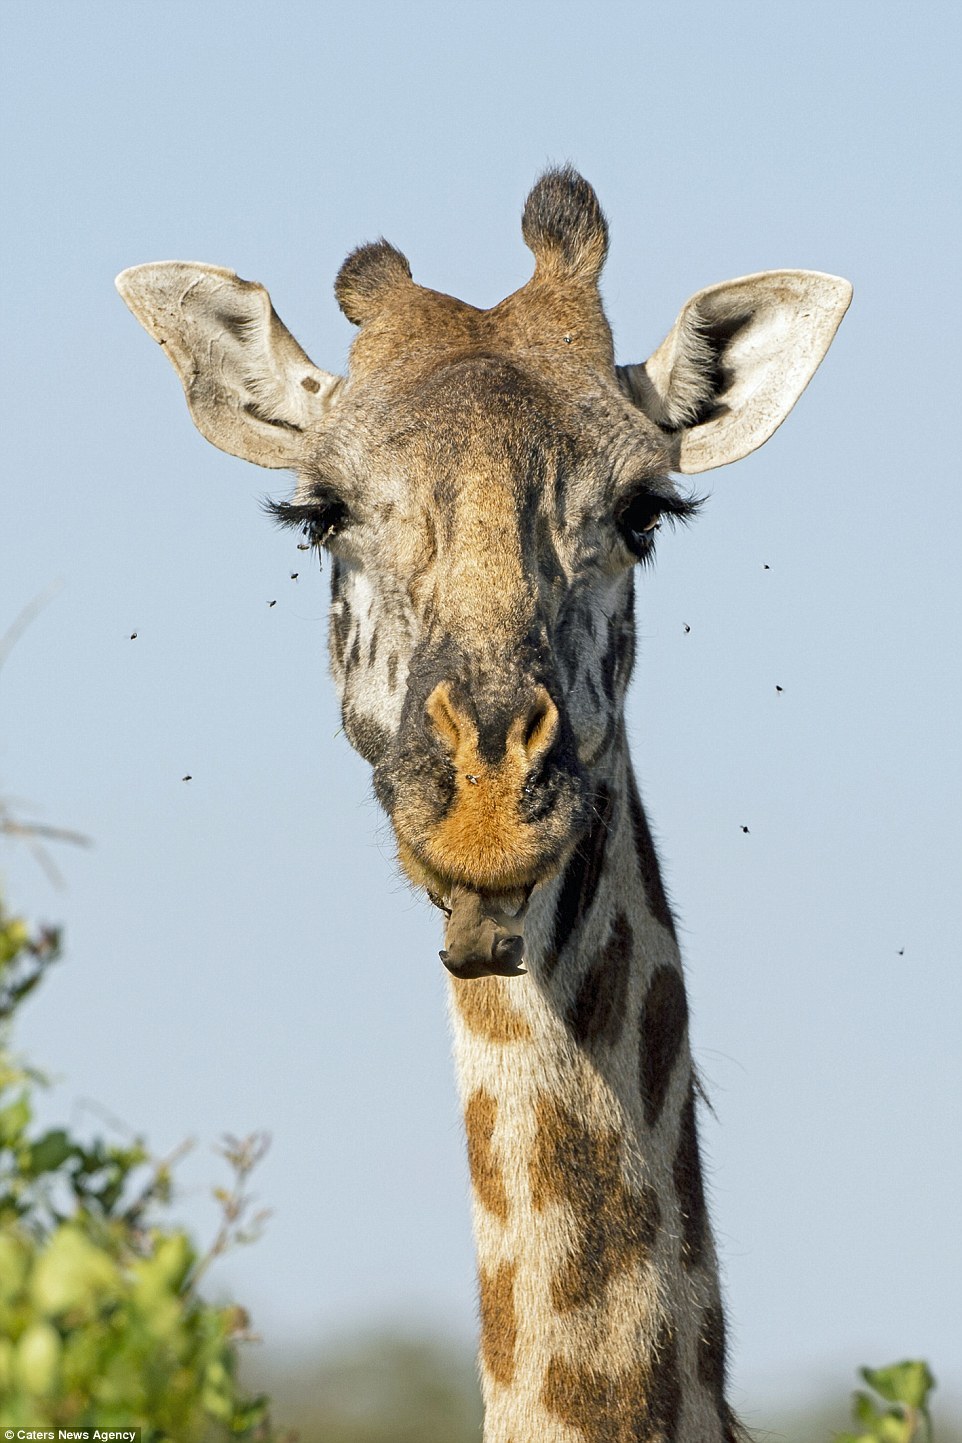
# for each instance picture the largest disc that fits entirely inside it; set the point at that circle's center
(600, 1312)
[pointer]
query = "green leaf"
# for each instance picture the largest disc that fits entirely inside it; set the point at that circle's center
(866, 1411)
(909, 1383)
(37, 1359)
(14, 1265)
(13, 1120)
(14, 937)
(250, 1415)
(72, 1273)
(48, 1153)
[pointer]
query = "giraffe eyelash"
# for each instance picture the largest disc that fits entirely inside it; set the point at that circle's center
(640, 516)
(319, 520)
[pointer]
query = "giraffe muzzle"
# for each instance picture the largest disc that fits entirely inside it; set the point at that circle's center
(487, 798)
(510, 798)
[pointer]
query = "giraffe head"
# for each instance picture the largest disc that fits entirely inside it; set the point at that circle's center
(485, 483)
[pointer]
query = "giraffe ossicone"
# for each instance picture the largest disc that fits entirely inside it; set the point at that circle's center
(486, 483)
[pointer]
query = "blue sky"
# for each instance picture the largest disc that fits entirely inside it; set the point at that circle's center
(242, 954)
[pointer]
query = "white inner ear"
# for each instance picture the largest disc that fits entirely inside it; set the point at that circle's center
(739, 355)
(251, 390)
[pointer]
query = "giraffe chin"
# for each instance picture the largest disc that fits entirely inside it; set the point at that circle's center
(484, 931)
(484, 935)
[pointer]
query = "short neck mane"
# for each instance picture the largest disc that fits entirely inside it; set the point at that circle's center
(600, 1312)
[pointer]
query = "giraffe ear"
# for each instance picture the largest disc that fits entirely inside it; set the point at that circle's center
(251, 389)
(737, 359)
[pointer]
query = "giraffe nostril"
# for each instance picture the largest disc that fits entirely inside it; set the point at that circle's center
(444, 716)
(476, 743)
(541, 726)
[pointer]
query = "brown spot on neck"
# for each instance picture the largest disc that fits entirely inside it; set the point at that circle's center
(486, 1010)
(499, 1325)
(640, 1405)
(615, 1225)
(648, 860)
(662, 1029)
(597, 1014)
(689, 1186)
(580, 881)
(480, 1115)
(711, 1352)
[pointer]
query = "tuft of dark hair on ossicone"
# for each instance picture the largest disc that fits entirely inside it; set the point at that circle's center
(564, 225)
(367, 276)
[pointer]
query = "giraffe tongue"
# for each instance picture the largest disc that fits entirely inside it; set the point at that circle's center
(484, 934)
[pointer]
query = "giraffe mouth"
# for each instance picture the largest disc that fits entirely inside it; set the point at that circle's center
(484, 932)
(480, 855)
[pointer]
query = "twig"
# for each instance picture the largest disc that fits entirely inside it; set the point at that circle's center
(243, 1155)
(20, 623)
(13, 828)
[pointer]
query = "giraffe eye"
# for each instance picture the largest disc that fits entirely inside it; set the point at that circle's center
(638, 520)
(320, 529)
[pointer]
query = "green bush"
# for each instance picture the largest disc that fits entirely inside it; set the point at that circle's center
(899, 1410)
(101, 1323)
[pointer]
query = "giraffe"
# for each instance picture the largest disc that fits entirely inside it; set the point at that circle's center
(487, 485)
